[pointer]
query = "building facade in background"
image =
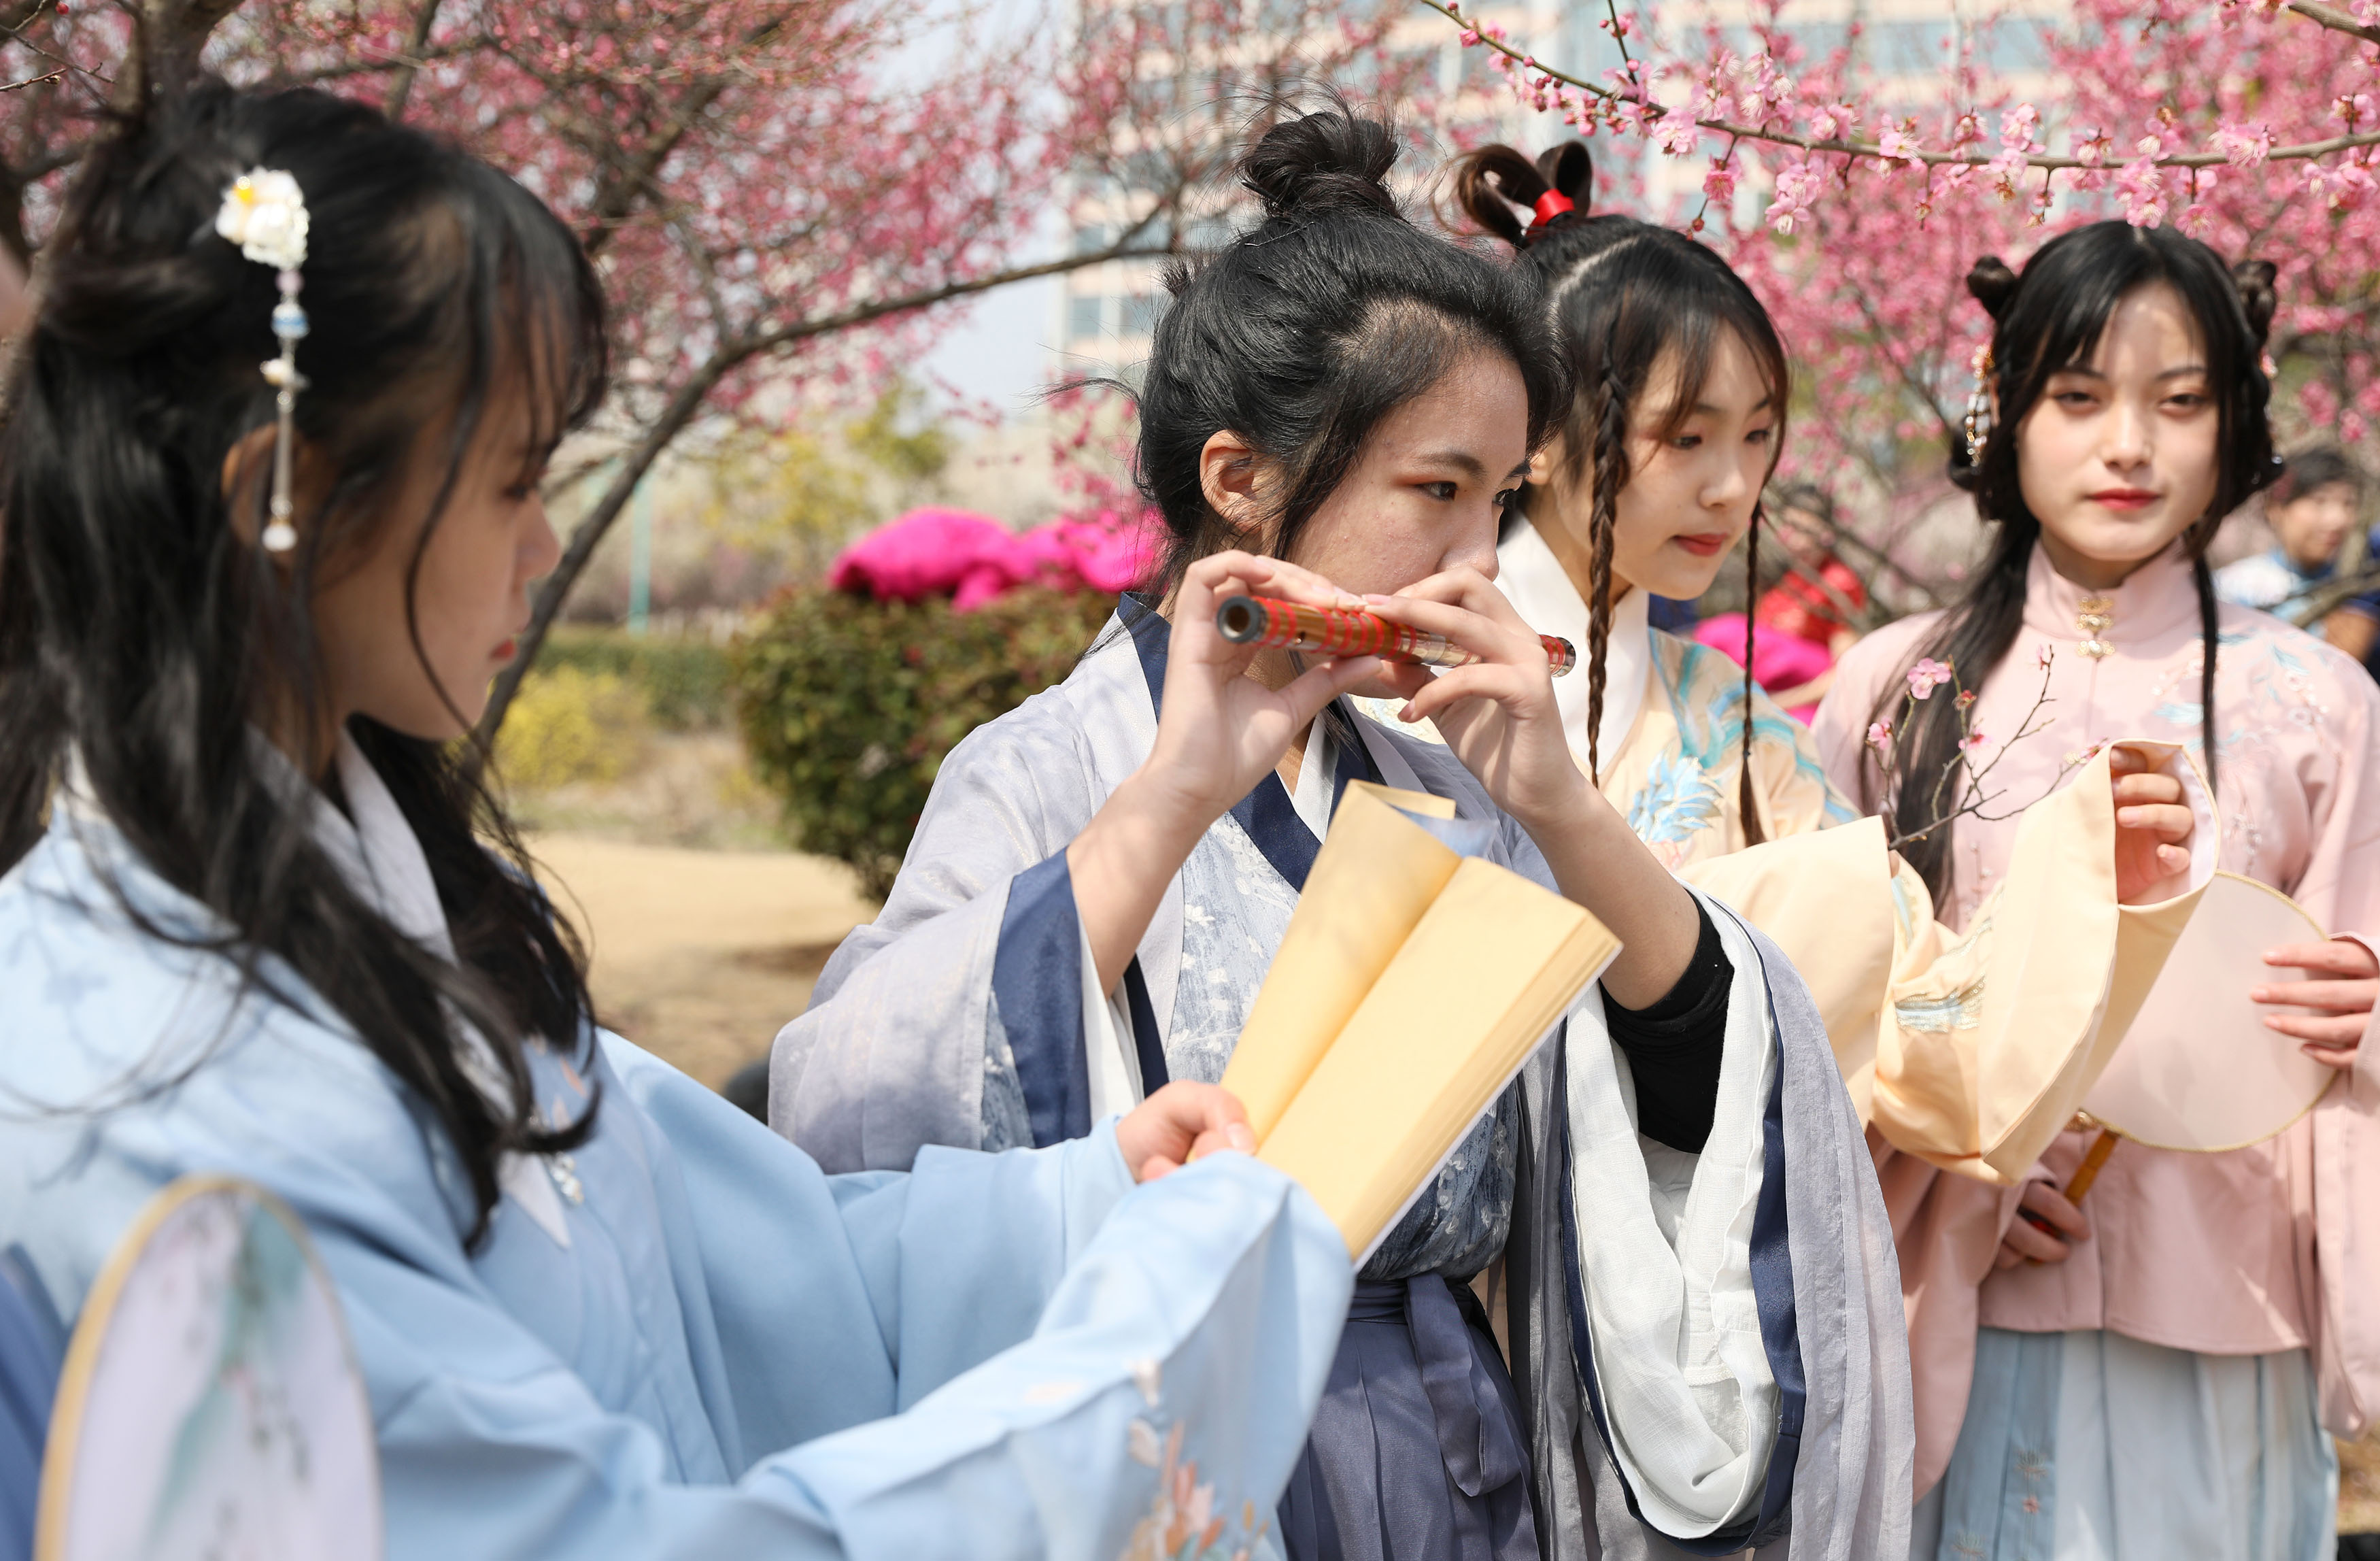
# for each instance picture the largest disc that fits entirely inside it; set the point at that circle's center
(1104, 315)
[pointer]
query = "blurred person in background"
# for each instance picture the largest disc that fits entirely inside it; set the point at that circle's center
(2311, 510)
(1802, 607)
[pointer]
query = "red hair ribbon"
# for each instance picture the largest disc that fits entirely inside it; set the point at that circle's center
(1551, 204)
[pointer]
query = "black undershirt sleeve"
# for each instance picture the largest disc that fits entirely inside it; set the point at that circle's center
(1673, 1047)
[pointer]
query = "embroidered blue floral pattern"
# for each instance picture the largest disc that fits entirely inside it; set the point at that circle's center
(1676, 799)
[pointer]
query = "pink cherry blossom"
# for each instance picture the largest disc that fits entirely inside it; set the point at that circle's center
(1832, 121)
(1927, 676)
(1878, 733)
(1677, 132)
(2016, 127)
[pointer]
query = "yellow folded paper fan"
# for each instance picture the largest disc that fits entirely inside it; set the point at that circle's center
(1413, 981)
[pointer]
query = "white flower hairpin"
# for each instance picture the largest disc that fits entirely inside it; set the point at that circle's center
(264, 213)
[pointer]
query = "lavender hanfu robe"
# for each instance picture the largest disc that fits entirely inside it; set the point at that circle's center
(1421, 1448)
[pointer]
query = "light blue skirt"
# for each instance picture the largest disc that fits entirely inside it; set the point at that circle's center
(2092, 1447)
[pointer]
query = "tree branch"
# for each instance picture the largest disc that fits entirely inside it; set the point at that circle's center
(2304, 152)
(401, 86)
(2336, 20)
(686, 403)
(866, 313)
(168, 36)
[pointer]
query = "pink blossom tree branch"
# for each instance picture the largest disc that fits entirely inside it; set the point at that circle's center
(1629, 105)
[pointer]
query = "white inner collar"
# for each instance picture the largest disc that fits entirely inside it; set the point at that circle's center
(1315, 774)
(1534, 580)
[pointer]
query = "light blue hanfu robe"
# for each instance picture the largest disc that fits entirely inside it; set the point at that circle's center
(1422, 1446)
(681, 1339)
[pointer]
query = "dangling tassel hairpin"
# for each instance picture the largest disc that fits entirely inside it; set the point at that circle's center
(1977, 423)
(264, 213)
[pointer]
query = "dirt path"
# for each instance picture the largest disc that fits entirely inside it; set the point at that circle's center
(700, 956)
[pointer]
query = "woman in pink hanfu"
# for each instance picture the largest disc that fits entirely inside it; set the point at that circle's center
(2154, 1379)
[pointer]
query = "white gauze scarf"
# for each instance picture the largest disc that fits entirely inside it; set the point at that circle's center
(1665, 1257)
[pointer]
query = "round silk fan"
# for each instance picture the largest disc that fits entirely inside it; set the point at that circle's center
(210, 1405)
(2198, 1071)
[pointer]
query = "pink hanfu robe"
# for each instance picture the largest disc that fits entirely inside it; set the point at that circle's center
(2244, 1253)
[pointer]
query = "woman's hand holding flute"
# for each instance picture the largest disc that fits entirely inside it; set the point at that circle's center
(1221, 730)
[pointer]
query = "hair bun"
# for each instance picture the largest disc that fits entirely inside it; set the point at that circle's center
(1569, 168)
(1490, 182)
(2254, 279)
(1330, 159)
(1992, 284)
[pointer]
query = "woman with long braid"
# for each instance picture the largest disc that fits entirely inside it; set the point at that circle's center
(2153, 1380)
(1680, 386)
(1655, 472)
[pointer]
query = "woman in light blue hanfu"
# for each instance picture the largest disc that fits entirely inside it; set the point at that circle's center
(258, 919)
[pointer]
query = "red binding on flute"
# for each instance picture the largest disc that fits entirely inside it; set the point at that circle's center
(1276, 625)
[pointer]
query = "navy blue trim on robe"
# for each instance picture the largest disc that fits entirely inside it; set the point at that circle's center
(1154, 1075)
(1267, 814)
(1772, 1294)
(1441, 1389)
(1037, 982)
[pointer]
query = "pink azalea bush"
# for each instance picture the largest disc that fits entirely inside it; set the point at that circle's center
(975, 560)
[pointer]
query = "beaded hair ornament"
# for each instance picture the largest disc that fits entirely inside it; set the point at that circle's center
(264, 213)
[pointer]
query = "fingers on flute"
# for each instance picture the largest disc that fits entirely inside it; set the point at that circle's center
(1495, 637)
(1317, 685)
(1486, 680)
(1231, 572)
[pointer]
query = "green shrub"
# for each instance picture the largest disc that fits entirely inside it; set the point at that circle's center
(848, 705)
(570, 724)
(686, 683)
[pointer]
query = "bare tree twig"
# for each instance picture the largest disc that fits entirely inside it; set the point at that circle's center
(2336, 20)
(687, 402)
(400, 87)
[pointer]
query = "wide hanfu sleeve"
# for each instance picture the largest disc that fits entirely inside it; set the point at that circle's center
(2339, 886)
(1732, 1315)
(1019, 1355)
(914, 1032)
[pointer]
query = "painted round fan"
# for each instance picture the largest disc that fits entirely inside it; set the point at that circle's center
(2198, 1069)
(211, 1406)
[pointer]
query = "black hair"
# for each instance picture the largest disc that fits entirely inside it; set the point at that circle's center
(1314, 324)
(144, 639)
(2316, 468)
(2050, 319)
(1619, 293)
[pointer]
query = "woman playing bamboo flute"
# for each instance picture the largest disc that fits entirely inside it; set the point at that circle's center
(1338, 407)
(2155, 1378)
